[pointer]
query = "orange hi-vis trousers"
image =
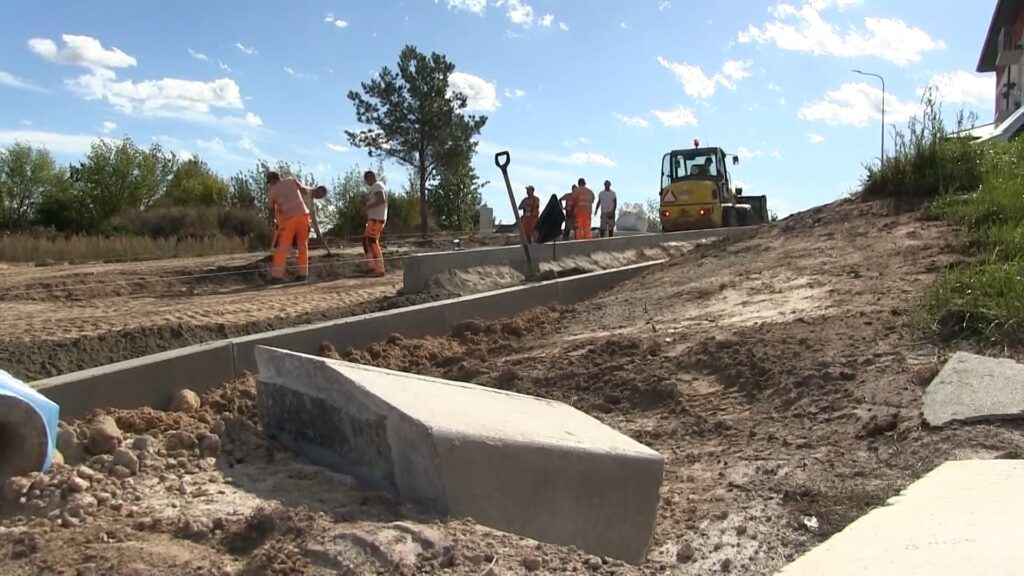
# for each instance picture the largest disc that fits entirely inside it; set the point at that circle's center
(583, 231)
(294, 229)
(529, 225)
(371, 245)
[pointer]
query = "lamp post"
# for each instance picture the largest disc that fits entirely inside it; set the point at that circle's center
(882, 158)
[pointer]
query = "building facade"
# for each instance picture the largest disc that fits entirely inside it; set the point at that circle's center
(1003, 53)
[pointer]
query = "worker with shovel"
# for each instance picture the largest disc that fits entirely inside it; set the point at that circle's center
(285, 199)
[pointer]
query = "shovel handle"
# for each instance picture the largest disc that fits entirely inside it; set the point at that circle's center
(502, 159)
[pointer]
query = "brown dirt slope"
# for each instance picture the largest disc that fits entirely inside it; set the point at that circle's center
(780, 377)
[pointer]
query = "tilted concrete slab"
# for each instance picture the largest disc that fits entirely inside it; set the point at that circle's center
(963, 518)
(971, 387)
(525, 465)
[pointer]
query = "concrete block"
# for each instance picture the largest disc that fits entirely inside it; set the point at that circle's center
(147, 381)
(524, 465)
(971, 387)
(964, 517)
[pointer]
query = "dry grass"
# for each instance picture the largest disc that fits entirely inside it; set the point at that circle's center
(73, 249)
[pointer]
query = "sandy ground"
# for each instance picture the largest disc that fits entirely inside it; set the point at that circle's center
(58, 319)
(780, 377)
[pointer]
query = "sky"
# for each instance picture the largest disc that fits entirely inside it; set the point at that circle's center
(599, 89)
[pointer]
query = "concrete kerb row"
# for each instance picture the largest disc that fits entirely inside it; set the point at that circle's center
(419, 269)
(152, 380)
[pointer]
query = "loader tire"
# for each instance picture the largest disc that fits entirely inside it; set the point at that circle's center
(729, 219)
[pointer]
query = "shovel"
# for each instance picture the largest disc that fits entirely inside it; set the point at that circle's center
(502, 160)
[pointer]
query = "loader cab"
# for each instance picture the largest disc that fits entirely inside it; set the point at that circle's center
(696, 189)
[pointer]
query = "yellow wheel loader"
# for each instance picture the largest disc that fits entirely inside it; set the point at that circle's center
(697, 192)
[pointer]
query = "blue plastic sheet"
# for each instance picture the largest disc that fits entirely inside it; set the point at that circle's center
(47, 409)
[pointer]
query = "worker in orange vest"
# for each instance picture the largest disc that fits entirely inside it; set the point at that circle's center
(376, 210)
(285, 199)
(568, 201)
(531, 211)
(583, 205)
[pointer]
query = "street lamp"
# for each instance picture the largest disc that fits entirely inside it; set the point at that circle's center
(883, 111)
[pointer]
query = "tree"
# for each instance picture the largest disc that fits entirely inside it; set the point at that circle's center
(415, 118)
(27, 176)
(119, 176)
(195, 184)
(455, 196)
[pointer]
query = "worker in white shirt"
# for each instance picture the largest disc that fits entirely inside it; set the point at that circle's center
(376, 209)
(607, 203)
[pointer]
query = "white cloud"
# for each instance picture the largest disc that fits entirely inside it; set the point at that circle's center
(583, 158)
(782, 101)
(664, 4)
(253, 120)
(216, 145)
(514, 94)
(338, 22)
(249, 146)
(576, 141)
(856, 104)
(107, 127)
(815, 138)
(337, 147)
(77, 144)
(774, 87)
(623, 25)
(678, 116)
(699, 85)
(198, 55)
(963, 88)
(246, 49)
(547, 20)
(804, 29)
(518, 12)
(169, 97)
(12, 81)
(746, 153)
(480, 94)
(635, 121)
(304, 76)
(26, 122)
(474, 6)
(563, 26)
(224, 66)
(81, 51)
(776, 154)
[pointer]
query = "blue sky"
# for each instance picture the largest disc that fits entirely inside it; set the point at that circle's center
(599, 89)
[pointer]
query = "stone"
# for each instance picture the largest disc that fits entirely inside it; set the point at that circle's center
(533, 467)
(972, 388)
(209, 446)
(58, 458)
(81, 505)
(16, 487)
(185, 400)
(24, 439)
(104, 436)
(594, 563)
(684, 553)
(179, 440)
(532, 563)
(86, 473)
(127, 460)
(77, 484)
(143, 442)
(725, 565)
(67, 440)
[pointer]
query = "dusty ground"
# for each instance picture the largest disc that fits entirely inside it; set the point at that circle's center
(780, 378)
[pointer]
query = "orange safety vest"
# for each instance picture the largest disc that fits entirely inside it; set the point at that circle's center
(530, 206)
(583, 200)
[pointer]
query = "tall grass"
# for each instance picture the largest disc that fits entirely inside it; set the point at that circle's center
(75, 249)
(925, 161)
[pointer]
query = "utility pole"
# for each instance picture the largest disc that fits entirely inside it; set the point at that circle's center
(882, 158)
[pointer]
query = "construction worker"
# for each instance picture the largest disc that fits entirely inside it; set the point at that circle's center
(530, 207)
(285, 199)
(582, 203)
(376, 209)
(607, 203)
(568, 201)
